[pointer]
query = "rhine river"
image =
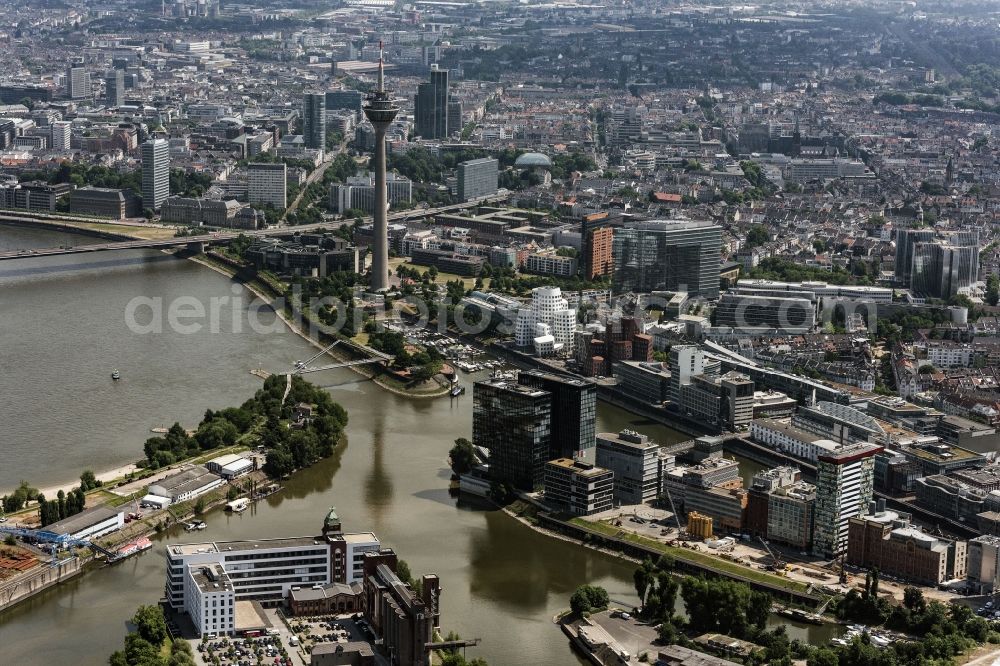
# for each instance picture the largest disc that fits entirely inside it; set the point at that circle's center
(63, 330)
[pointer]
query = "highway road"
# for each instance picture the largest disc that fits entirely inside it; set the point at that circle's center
(223, 236)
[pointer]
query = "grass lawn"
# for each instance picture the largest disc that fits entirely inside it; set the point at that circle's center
(441, 278)
(137, 230)
(692, 556)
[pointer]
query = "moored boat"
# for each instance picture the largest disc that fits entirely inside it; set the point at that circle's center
(131, 548)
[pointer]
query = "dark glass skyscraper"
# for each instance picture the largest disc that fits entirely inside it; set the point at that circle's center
(431, 106)
(314, 120)
(668, 255)
(573, 405)
(114, 88)
(513, 422)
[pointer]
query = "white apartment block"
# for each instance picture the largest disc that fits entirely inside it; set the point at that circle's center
(788, 439)
(950, 355)
(551, 264)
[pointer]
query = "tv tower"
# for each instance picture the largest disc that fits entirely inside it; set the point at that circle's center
(380, 110)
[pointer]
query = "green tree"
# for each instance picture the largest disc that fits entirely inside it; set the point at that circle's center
(215, 433)
(150, 624)
(462, 456)
(88, 481)
(993, 289)
(588, 598)
(641, 578)
(823, 656)
(757, 235)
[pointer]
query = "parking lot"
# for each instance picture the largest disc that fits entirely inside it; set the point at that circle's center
(636, 637)
(259, 651)
(330, 629)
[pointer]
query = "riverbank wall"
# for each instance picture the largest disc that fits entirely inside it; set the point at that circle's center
(68, 227)
(24, 587)
(637, 551)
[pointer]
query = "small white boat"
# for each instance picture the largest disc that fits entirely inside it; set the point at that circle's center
(115, 375)
(200, 525)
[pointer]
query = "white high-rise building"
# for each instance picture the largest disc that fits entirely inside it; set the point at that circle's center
(155, 173)
(267, 183)
(548, 324)
(60, 135)
(77, 82)
(686, 361)
(844, 486)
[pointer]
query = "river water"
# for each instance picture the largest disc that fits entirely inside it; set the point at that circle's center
(62, 330)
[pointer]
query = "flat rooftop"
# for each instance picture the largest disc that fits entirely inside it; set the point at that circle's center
(954, 454)
(580, 468)
(227, 546)
(360, 537)
(83, 520)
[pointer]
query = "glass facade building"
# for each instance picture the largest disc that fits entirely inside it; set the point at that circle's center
(314, 120)
(573, 408)
(514, 423)
(668, 255)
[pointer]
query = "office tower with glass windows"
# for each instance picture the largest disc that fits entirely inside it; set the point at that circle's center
(668, 255)
(267, 183)
(314, 120)
(431, 106)
(478, 178)
(77, 82)
(573, 408)
(513, 422)
(114, 88)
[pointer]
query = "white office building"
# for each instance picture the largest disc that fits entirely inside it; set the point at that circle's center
(686, 361)
(260, 570)
(548, 325)
(636, 464)
(210, 600)
(984, 564)
(267, 184)
(61, 133)
(155, 173)
(359, 192)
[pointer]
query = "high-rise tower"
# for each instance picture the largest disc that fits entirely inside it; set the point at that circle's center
(380, 110)
(314, 120)
(155, 173)
(431, 106)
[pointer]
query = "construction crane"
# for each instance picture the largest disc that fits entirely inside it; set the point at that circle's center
(673, 509)
(777, 563)
(53, 542)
